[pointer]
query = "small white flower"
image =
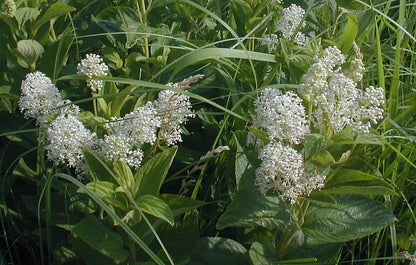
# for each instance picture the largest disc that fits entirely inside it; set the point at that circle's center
(282, 169)
(93, 66)
(66, 138)
(332, 57)
(115, 148)
(337, 101)
(139, 126)
(175, 109)
(271, 41)
(291, 19)
(40, 98)
(281, 115)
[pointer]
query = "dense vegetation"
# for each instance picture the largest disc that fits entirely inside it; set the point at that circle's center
(207, 132)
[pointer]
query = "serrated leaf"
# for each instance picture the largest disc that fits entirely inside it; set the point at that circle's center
(157, 207)
(29, 50)
(217, 250)
(250, 208)
(150, 176)
(352, 217)
(91, 231)
(55, 10)
(107, 192)
(357, 182)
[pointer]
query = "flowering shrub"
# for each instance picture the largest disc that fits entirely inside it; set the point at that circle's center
(183, 132)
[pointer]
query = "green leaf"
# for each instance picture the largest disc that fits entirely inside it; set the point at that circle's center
(97, 167)
(217, 250)
(323, 158)
(357, 182)
(29, 50)
(122, 19)
(88, 118)
(250, 208)
(180, 238)
(313, 144)
(350, 32)
(352, 217)
(197, 56)
(54, 11)
(150, 176)
(125, 176)
(347, 137)
(246, 160)
(180, 204)
(55, 56)
(24, 14)
(263, 253)
(157, 207)
(350, 4)
(106, 191)
(91, 231)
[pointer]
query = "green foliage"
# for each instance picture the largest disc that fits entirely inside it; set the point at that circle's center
(192, 203)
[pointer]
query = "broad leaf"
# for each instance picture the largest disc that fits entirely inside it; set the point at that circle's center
(352, 217)
(347, 137)
(106, 191)
(157, 207)
(125, 176)
(314, 143)
(55, 57)
(29, 50)
(217, 250)
(91, 231)
(180, 239)
(180, 204)
(263, 253)
(357, 182)
(54, 11)
(98, 168)
(150, 177)
(250, 208)
(25, 14)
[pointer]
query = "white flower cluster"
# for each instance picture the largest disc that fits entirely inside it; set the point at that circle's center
(175, 109)
(271, 41)
(282, 116)
(290, 21)
(338, 102)
(40, 99)
(66, 137)
(127, 134)
(282, 169)
(93, 66)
